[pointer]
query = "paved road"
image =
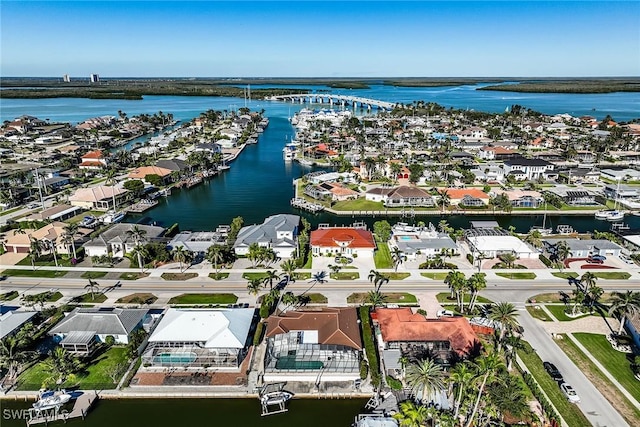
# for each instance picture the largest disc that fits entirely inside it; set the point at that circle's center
(594, 406)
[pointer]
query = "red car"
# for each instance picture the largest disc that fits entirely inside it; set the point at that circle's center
(595, 260)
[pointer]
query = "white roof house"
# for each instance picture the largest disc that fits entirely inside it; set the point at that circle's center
(492, 246)
(12, 321)
(211, 328)
(278, 232)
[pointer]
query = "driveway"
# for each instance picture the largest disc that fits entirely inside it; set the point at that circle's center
(595, 407)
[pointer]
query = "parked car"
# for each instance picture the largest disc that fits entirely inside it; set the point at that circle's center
(600, 257)
(626, 259)
(3, 277)
(592, 260)
(570, 393)
(552, 371)
(32, 205)
(445, 313)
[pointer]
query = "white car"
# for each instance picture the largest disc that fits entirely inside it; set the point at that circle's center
(625, 258)
(445, 313)
(571, 394)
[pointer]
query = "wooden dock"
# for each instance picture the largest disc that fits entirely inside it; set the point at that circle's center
(81, 408)
(301, 203)
(142, 206)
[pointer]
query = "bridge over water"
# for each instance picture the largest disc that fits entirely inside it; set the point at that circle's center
(333, 99)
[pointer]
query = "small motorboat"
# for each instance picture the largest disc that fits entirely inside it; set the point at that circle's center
(610, 215)
(50, 399)
(276, 397)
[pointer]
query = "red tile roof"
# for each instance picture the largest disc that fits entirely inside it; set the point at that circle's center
(328, 237)
(338, 326)
(401, 325)
(459, 193)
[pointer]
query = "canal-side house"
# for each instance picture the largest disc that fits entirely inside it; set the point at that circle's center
(93, 160)
(117, 241)
(277, 232)
(13, 320)
(142, 172)
(313, 345)
(529, 169)
(356, 240)
(583, 248)
(200, 338)
(574, 196)
(19, 241)
(467, 197)
(81, 331)
(421, 242)
(198, 241)
(402, 196)
(492, 242)
(100, 198)
(402, 333)
(521, 198)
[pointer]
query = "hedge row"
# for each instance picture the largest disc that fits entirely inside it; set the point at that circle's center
(537, 393)
(369, 346)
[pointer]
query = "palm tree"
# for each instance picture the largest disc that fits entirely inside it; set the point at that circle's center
(398, 257)
(111, 180)
(456, 281)
(289, 266)
(562, 252)
(425, 378)
(486, 370)
(445, 199)
(376, 299)
(506, 315)
(460, 378)
(93, 288)
(35, 250)
(508, 259)
(140, 252)
(61, 365)
(588, 279)
(12, 350)
(50, 245)
(411, 415)
(215, 255)
(623, 304)
(70, 231)
(181, 255)
(137, 234)
(476, 283)
(271, 275)
(254, 286)
(534, 238)
(594, 294)
(289, 299)
(378, 279)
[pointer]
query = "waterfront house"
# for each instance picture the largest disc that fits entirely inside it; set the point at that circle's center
(80, 331)
(420, 242)
(334, 191)
(174, 165)
(313, 345)
(622, 192)
(521, 198)
(117, 242)
(93, 160)
(19, 241)
(99, 198)
(528, 169)
(55, 213)
(277, 232)
(583, 248)
(413, 336)
(208, 147)
(403, 196)
(142, 172)
(492, 242)
(574, 196)
(473, 197)
(13, 320)
(342, 240)
(199, 241)
(200, 338)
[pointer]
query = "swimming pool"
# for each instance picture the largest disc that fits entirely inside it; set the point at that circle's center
(174, 358)
(406, 238)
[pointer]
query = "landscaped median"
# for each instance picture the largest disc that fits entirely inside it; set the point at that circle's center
(517, 275)
(390, 298)
(204, 299)
(597, 377)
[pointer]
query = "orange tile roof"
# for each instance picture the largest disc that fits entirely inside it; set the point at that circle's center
(327, 237)
(96, 154)
(338, 326)
(143, 171)
(401, 325)
(459, 193)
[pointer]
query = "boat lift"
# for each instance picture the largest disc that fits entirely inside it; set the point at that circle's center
(273, 399)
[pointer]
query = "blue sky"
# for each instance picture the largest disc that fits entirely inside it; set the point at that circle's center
(324, 39)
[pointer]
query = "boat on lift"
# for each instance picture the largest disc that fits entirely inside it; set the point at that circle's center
(276, 397)
(49, 399)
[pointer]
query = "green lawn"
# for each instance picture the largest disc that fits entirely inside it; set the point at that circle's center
(179, 276)
(133, 276)
(614, 361)
(8, 211)
(50, 274)
(570, 412)
(382, 255)
(539, 313)
(8, 296)
(93, 274)
(317, 298)
(251, 276)
(517, 276)
(345, 275)
(87, 298)
(218, 276)
(445, 297)
(546, 298)
(397, 276)
(301, 276)
(51, 296)
(392, 298)
(93, 377)
(204, 299)
(358, 205)
(434, 276)
(138, 298)
(597, 378)
(612, 275)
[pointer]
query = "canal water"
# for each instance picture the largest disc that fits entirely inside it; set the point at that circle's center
(260, 183)
(202, 412)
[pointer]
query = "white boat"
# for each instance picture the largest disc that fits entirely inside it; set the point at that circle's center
(276, 397)
(50, 399)
(543, 231)
(610, 215)
(289, 151)
(112, 217)
(564, 229)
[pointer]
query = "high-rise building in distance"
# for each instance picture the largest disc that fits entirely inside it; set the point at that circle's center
(95, 78)
(66, 78)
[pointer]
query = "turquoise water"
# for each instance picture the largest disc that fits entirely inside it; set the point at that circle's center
(174, 358)
(202, 412)
(260, 183)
